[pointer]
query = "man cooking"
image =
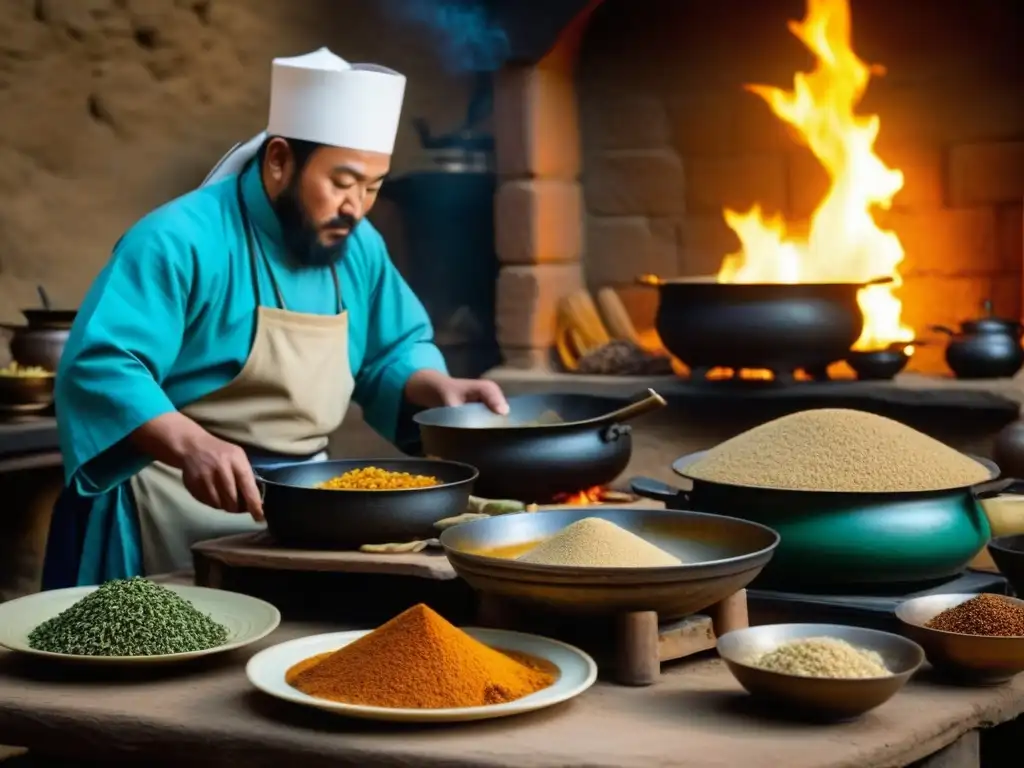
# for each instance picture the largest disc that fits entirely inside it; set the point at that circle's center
(232, 327)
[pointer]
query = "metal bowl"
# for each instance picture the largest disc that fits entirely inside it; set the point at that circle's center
(877, 365)
(1008, 554)
(974, 659)
(720, 554)
(19, 391)
(824, 698)
(301, 515)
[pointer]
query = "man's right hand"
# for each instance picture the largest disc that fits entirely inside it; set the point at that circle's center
(218, 474)
(214, 471)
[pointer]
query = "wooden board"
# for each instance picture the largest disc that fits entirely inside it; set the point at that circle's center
(258, 550)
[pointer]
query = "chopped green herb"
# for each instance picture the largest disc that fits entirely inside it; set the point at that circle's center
(129, 617)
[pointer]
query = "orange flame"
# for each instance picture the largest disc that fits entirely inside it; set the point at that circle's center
(582, 498)
(843, 243)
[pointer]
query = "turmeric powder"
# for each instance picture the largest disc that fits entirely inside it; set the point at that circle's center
(417, 660)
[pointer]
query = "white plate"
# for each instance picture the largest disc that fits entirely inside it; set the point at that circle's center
(577, 672)
(246, 619)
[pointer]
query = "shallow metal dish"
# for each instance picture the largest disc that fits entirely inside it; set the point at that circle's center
(720, 556)
(819, 698)
(975, 659)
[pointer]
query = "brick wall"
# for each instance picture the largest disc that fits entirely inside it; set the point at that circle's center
(669, 138)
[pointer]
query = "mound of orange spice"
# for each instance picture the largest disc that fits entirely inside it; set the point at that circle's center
(417, 660)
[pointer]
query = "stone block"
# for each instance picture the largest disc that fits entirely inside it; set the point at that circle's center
(621, 247)
(635, 183)
(614, 119)
(527, 302)
(1010, 237)
(946, 242)
(756, 129)
(947, 112)
(706, 240)
(980, 174)
(537, 132)
(738, 182)
(702, 122)
(538, 221)
(725, 122)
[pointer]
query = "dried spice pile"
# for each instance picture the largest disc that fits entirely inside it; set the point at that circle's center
(597, 543)
(823, 657)
(129, 617)
(985, 614)
(418, 660)
(837, 449)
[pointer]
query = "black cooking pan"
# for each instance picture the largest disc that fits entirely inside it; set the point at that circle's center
(301, 515)
(836, 539)
(778, 326)
(548, 444)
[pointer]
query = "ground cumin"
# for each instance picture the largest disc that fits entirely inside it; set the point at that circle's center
(418, 660)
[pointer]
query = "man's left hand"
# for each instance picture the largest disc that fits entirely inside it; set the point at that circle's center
(433, 389)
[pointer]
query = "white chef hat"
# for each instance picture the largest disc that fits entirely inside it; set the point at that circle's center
(320, 97)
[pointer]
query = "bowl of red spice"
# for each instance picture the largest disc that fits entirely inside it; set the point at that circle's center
(975, 639)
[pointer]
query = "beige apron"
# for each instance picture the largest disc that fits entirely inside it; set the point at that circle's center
(290, 395)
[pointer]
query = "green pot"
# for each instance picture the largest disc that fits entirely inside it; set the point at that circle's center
(841, 540)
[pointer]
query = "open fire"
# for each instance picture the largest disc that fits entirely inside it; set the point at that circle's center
(843, 243)
(599, 494)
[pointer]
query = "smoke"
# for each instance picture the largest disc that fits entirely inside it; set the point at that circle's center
(468, 39)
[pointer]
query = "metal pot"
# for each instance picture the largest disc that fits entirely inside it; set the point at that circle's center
(986, 348)
(50, 318)
(41, 341)
(778, 326)
(843, 540)
(519, 457)
(37, 346)
(301, 515)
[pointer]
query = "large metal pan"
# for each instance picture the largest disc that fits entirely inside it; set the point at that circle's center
(300, 515)
(720, 556)
(841, 540)
(778, 326)
(519, 458)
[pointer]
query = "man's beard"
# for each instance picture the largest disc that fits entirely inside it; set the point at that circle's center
(302, 236)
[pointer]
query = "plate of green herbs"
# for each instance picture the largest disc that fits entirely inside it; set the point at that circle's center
(134, 621)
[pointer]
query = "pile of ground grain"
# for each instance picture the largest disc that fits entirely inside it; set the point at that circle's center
(837, 449)
(417, 660)
(129, 617)
(986, 614)
(823, 657)
(597, 543)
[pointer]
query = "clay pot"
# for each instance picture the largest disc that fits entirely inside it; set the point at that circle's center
(1008, 451)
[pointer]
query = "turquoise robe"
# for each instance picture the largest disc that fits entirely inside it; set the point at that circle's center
(171, 319)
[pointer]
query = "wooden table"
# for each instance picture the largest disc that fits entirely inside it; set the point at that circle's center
(697, 716)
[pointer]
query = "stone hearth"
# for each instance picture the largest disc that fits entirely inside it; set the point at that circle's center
(623, 130)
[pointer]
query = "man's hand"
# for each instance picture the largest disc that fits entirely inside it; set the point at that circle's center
(215, 472)
(433, 389)
(218, 474)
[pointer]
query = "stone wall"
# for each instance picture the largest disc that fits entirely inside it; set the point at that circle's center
(113, 107)
(670, 138)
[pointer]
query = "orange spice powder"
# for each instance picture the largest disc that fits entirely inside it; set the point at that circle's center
(417, 660)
